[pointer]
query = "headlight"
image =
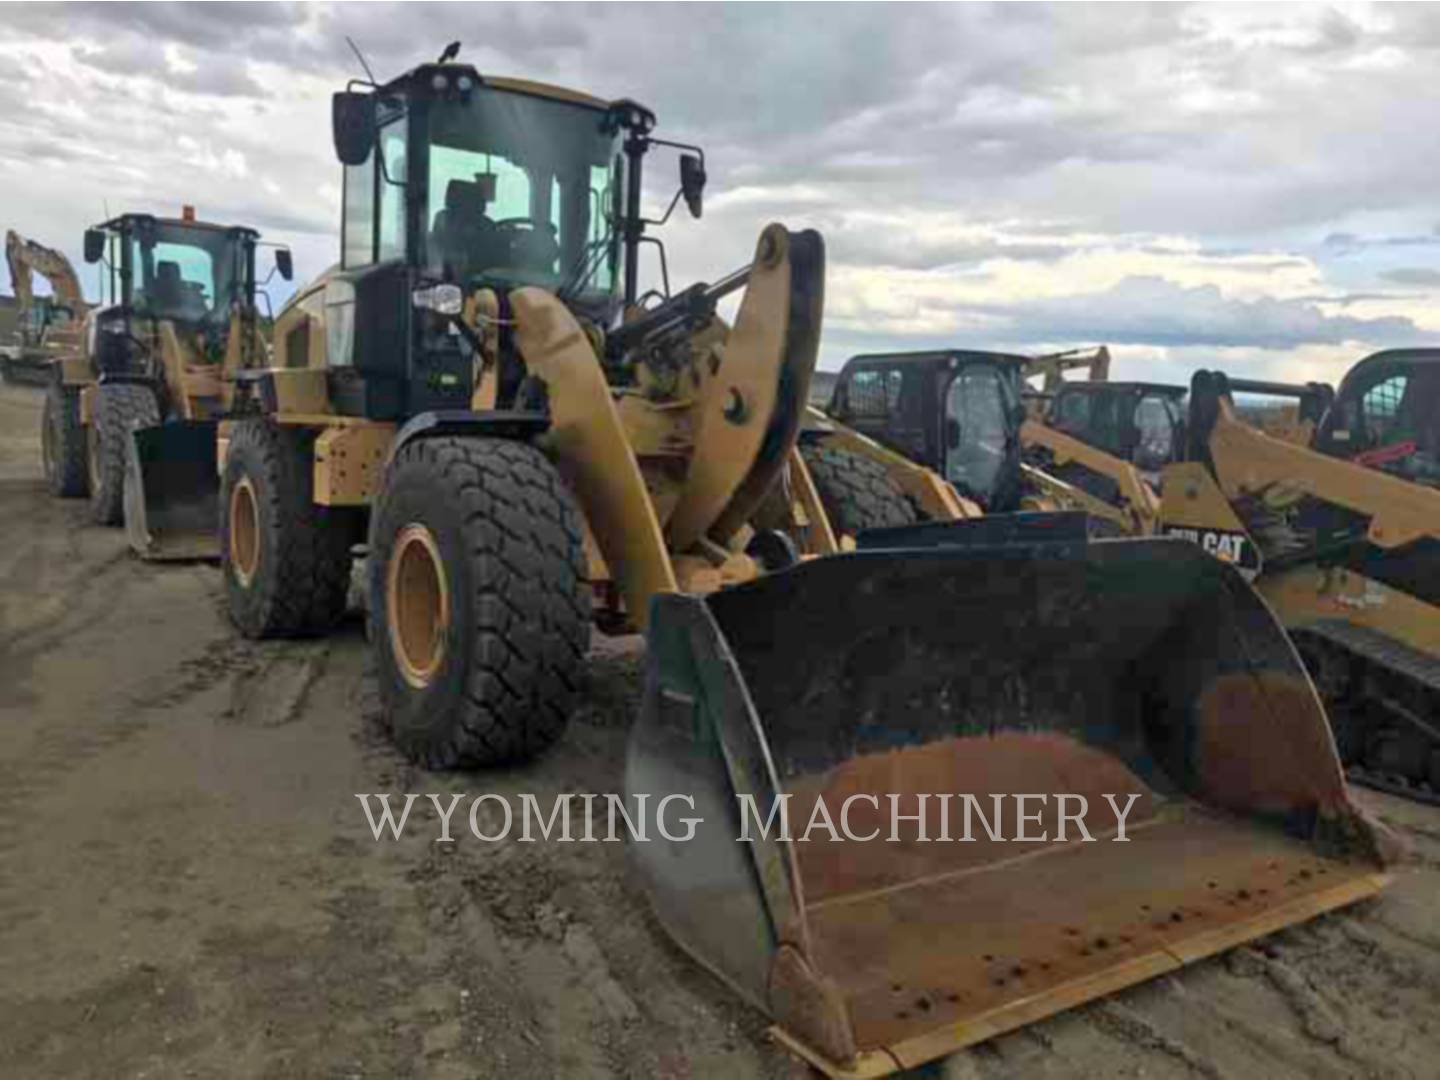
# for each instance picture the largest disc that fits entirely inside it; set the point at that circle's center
(439, 83)
(441, 299)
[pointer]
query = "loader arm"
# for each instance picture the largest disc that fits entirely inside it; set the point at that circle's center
(1054, 365)
(1246, 460)
(1055, 493)
(748, 417)
(745, 418)
(1141, 512)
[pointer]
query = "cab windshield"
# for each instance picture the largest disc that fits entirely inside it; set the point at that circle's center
(181, 272)
(523, 189)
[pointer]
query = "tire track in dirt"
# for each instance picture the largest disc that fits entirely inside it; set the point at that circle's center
(59, 752)
(1125, 1024)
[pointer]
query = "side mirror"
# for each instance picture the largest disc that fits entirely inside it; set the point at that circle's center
(94, 245)
(352, 126)
(692, 182)
(952, 433)
(283, 263)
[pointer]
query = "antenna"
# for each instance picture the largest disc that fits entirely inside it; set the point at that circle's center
(361, 57)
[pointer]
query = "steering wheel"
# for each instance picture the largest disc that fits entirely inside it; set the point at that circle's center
(513, 224)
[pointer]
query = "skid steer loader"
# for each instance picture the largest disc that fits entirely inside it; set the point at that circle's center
(1386, 415)
(913, 424)
(176, 318)
(1348, 557)
(1111, 440)
(477, 394)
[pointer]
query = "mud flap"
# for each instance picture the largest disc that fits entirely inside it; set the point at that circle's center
(172, 492)
(875, 691)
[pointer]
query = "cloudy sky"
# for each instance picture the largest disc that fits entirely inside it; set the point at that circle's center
(1256, 188)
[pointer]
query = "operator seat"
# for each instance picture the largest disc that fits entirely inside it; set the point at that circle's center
(168, 291)
(462, 238)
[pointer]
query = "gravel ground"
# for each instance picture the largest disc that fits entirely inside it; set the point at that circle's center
(188, 887)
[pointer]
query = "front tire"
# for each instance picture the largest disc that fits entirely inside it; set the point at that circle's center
(62, 442)
(478, 610)
(120, 408)
(286, 561)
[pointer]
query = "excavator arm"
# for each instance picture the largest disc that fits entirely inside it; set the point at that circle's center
(27, 258)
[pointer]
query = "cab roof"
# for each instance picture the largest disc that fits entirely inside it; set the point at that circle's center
(935, 357)
(427, 72)
(122, 220)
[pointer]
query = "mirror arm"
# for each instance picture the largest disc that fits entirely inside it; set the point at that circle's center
(668, 211)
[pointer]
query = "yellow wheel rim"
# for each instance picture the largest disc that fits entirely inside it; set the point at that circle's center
(417, 604)
(244, 531)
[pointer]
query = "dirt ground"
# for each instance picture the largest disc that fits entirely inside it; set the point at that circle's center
(188, 887)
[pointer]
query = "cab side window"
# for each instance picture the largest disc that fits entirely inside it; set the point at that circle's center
(1155, 428)
(873, 394)
(1380, 406)
(357, 245)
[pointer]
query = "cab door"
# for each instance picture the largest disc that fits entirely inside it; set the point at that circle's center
(981, 437)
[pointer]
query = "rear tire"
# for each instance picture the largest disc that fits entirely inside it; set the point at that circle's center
(478, 610)
(857, 492)
(62, 442)
(119, 409)
(286, 561)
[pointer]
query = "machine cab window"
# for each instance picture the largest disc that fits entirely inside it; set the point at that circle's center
(523, 190)
(1157, 432)
(184, 271)
(979, 431)
(1380, 408)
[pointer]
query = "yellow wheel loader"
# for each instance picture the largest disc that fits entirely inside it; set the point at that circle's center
(46, 327)
(1349, 558)
(524, 448)
(176, 318)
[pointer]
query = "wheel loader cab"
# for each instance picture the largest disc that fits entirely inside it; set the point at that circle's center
(955, 412)
(185, 272)
(456, 183)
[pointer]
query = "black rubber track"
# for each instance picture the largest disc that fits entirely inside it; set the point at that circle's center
(302, 572)
(857, 493)
(63, 450)
(119, 409)
(511, 543)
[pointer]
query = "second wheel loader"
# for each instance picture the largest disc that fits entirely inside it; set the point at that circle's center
(176, 320)
(477, 396)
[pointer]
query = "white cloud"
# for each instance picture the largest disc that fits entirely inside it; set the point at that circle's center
(1009, 175)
